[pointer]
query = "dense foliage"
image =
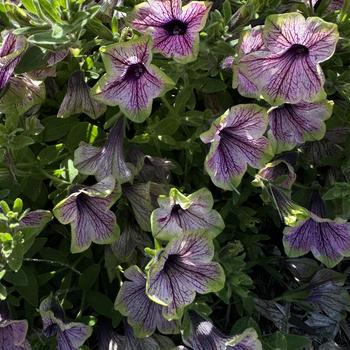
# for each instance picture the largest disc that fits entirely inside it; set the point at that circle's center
(174, 175)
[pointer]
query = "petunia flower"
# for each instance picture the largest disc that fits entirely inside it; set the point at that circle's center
(179, 214)
(328, 240)
(237, 141)
(144, 315)
(203, 335)
(11, 52)
(287, 69)
(227, 63)
(291, 124)
(70, 336)
(131, 81)
(334, 5)
(174, 29)
(107, 160)
(12, 332)
(78, 100)
(86, 209)
(183, 269)
(250, 41)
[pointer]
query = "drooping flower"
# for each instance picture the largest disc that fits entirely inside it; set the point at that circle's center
(144, 315)
(131, 81)
(179, 214)
(236, 140)
(250, 41)
(11, 51)
(183, 269)
(107, 160)
(70, 336)
(86, 209)
(328, 240)
(175, 29)
(12, 332)
(295, 124)
(203, 335)
(78, 100)
(287, 70)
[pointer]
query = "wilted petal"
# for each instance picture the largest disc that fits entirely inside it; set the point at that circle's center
(178, 215)
(175, 31)
(87, 210)
(236, 141)
(298, 123)
(183, 269)
(11, 51)
(131, 81)
(22, 94)
(78, 100)
(107, 160)
(144, 315)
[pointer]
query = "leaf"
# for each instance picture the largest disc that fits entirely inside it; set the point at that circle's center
(30, 292)
(100, 303)
(3, 292)
(18, 278)
(297, 342)
(56, 128)
(212, 85)
(89, 277)
(21, 141)
(82, 132)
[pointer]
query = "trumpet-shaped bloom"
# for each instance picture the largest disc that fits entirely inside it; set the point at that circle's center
(328, 240)
(287, 69)
(178, 214)
(296, 124)
(78, 100)
(70, 336)
(175, 30)
(144, 315)
(11, 51)
(250, 41)
(131, 81)
(236, 140)
(204, 335)
(12, 332)
(183, 269)
(87, 211)
(107, 160)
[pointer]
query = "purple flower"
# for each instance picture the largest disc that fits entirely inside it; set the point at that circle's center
(203, 335)
(183, 269)
(175, 29)
(57, 56)
(144, 315)
(179, 214)
(78, 100)
(33, 222)
(328, 240)
(236, 140)
(227, 63)
(11, 51)
(287, 70)
(333, 6)
(131, 81)
(70, 336)
(86, 209)
(105, 161)
(250, 41)
(12, 332)
(295, 124)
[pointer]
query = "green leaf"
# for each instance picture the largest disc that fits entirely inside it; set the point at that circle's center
(276, 341)
(100, 303)
(89, 277)
(297, 342)
(82, 132)
(18, 278)
(30, 292)
(3, 292)
(50, 154)
(21, 141)
(56, 128)
(212, 85)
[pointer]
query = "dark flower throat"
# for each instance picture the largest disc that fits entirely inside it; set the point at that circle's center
(135, 71)
(175, 27)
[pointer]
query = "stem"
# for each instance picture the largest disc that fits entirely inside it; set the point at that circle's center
(169, 106)
(52, 262)
(53, 178)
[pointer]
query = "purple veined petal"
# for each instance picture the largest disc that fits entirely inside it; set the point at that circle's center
(164, 342)
(106, 160)
(57, 56)
(11, 51)
(298, 123)
(183, 269)
(78, 100)
(22, 94)
(175, 31)
(72, 336)
(35, 221)
(130, 342)
(143, 199)
(144, 315)
(227, 63)
(236, 141)
(13, 334)
(108, 339)
(180, 215)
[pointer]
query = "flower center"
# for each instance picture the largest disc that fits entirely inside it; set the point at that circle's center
(298, 50)
(176, 27)
(135, 71)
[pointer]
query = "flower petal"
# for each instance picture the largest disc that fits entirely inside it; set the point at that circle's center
(35, 221)
(143, 314)
(73, 336)
(295, 124)
(77, 99)
(107, 160)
